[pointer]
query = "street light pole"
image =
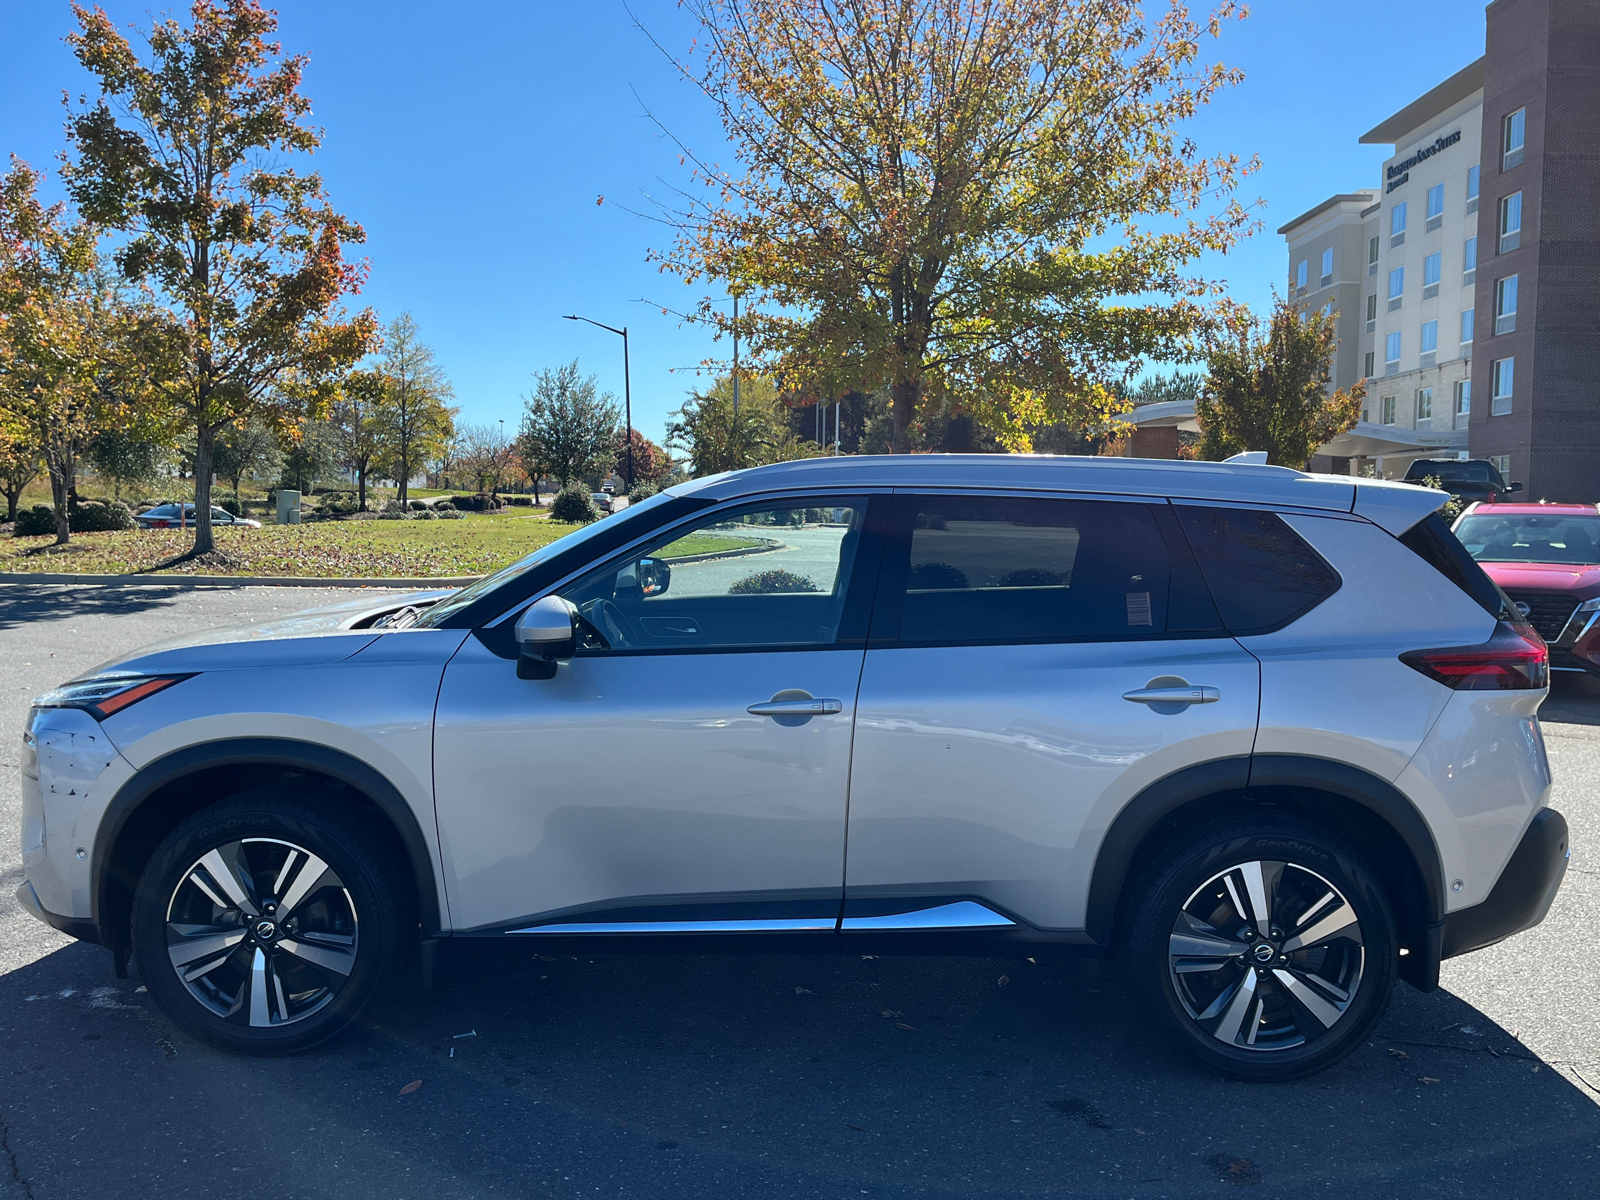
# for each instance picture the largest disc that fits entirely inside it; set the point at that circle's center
(627, 390)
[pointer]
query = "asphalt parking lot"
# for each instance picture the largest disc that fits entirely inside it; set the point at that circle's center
(772, 1077)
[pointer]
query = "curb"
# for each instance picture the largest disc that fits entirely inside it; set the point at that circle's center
(453, 581)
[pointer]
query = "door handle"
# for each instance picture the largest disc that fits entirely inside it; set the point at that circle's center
(808, 707)
(1187, 694)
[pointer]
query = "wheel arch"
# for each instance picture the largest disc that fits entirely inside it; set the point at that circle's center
(1347, 801)
(173, 787)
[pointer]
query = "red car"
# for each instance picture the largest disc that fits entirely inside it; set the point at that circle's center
(1546, 557)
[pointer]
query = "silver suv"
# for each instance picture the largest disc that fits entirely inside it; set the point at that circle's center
(1269, 737)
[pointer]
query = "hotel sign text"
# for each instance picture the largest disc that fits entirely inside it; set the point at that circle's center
(1401, 171)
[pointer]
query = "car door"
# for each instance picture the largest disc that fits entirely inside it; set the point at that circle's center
(1034, 663)
(688, 768)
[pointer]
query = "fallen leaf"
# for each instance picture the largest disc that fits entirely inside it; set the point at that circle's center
(1426, 1079)
(800, 991)
(411, 1087)
(472, 1033)
(1003, 980)
(1393, 1053)
(903, 1025)
(889, 1012)
(858, 1129)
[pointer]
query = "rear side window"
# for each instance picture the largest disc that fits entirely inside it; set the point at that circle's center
(995, 569)
(1431, 540)
(1262, 574)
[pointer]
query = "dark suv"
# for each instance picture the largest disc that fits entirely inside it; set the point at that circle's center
(1469, 478)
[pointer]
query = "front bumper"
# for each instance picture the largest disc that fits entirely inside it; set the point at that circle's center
(84, 931)
(1523, 893)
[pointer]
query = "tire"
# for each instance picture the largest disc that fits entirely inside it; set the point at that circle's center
(262, 926)
(1268, 1007)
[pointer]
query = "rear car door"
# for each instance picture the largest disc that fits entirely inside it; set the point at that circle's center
(1034, 663)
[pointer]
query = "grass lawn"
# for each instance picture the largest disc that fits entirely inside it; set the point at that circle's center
(474, 545)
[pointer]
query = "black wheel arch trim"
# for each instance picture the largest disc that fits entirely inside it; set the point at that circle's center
(286, 753)
(1243, 775)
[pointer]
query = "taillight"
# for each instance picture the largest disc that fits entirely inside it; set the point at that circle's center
(1514, 659)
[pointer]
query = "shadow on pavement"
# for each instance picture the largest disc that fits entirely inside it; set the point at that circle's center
(1572, 699)
(761, 1076)
(22, 603)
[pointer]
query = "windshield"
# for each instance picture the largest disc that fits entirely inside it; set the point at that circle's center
(1535, 537)
(1452, 472)
(472, 592)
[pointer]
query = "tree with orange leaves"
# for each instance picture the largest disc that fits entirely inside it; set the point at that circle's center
(982, 200)
(181, 151)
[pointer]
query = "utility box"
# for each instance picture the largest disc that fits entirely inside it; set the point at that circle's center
(288, 507)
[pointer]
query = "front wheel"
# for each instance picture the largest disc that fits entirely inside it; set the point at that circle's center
(262, 926)
(1265, 946)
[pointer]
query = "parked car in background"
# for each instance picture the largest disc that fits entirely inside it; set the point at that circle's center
(602, 501)
(1264, 735)
(1546, 557)
(1470, 479)
(165, 516)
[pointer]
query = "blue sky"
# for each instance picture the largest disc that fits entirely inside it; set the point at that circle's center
(471, 139)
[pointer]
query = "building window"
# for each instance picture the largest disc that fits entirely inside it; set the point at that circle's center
(1369, 372)
(1502, 463)
(1386, 410)
(1327, 268)
(1472, 188)
(1466, 326)
(1372, 256)
(1300, 274)
(1515, 127)
(1500, 392)
(1430, 274)
(1397, 287)
(1505, 304)
(1397, 224)
(1391, 354)
(1424, 405)
(1469, 261)
(1510, 222)
(1430, 341)
(1372, 312)
(1436, 206)
(1464, 398)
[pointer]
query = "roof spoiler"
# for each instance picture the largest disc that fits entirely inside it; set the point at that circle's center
(1395, 506)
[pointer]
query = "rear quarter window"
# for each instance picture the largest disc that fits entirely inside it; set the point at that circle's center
(1262, 574)
(1431, 540)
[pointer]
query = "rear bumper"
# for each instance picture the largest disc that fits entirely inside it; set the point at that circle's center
(1522, 896)
(84, 931)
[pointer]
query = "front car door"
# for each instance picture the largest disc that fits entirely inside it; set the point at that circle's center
(1035, 663)
(687, 770)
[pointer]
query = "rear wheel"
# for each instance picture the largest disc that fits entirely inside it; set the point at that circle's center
(1266, 947)
(262, 926)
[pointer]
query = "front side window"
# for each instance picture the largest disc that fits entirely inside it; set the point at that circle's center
(1002, 569)
(1503, 381)
(1516, 127)
(1327, 267)
(1386, 409)
(1466, 325)
(1424, 404)
(1510, 222)
(1430, 336)
(764, 575)
(1505, 304)
(1435, 205)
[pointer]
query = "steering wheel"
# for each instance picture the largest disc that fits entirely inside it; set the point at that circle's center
(615, 628)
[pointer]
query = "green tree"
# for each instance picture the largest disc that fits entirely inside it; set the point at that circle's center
(20, 465)
(249, 448)
(989, 200)
(128, 456)
(310, 454)
(1269, 389)
(360, 422)
(714, 439)
(568, 427)
(416, 422)
(185, 151)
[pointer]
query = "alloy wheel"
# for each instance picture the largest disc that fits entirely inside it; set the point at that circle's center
(262, 932)
(1266, 956)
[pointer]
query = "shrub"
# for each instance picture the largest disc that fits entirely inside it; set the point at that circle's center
(450, 514)
(337, 504)
(573, 505)
(231, 506)
(392, 514)
(35, 521)
(426, 514)
(1029, 577)
(642, 491)
(418, 506)
(93, 517)
(767, 582)
(929, 575)
(443, 507)
(482, 502)
(519, 501)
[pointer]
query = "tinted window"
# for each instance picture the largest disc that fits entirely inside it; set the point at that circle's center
(976, 569)
(1431, 540)
(1262, 573)
(764, 575)
(1468, 471)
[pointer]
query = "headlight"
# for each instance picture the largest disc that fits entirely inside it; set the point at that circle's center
(102, 697)
(1588, 606)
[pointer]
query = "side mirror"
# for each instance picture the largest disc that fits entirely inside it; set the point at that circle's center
(546, 633)
(655, 576)
(1514, 487)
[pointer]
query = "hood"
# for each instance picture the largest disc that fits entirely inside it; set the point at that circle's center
(1582, 581)
(318, 635)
